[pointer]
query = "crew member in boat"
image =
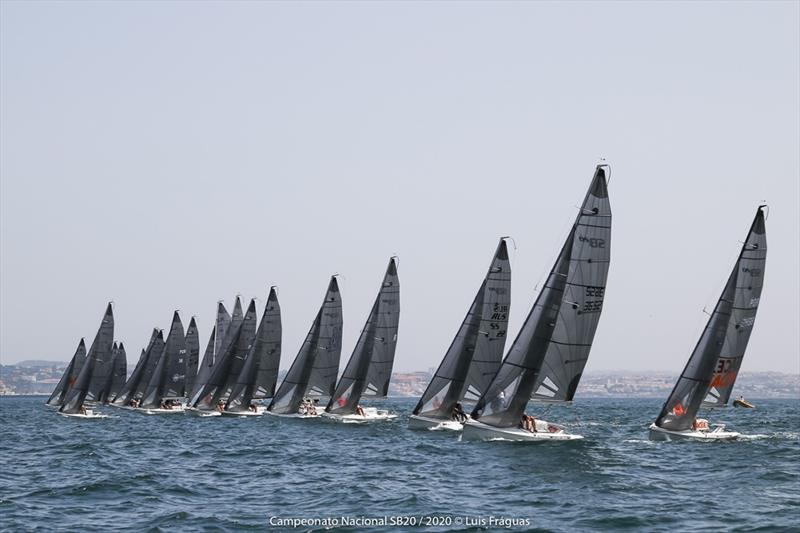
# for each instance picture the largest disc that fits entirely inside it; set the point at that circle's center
(252, 407)
(82, 410)
(700, 424)
(360, 411)
(220, 406)
(528, 423)
(458, 413)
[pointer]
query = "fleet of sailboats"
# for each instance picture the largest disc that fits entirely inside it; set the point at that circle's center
(238, 373)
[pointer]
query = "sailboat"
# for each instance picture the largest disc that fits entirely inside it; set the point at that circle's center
(547, 357)
(192, 354)
(475, 353)
(238, 337)
(68, 378)
(370, 366)
(116, 379)
(167, 385)
(127, 397)
(313, 372)
(206, 367)
(259, 374)
(100, 350)
(711, 370)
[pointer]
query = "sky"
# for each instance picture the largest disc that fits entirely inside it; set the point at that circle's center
(167, 155)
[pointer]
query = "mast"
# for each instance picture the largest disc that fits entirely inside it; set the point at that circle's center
(169, 377)
(259, 374)
(477, 349)
(370, 366)
(563, 318)
(101, 347)
(313, 372)
(735, 310)
(69, 376)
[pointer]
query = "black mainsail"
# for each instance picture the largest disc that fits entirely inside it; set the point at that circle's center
(105, 388)
(131, 386)
(119, 373)
(370, 366)
(718, 354)
(70, 375)
(236, 343)
(474, 356)
(244, 342)
(169, 377)
(259, 374)
(193, 355)
(562, 323)
(313, 372)
(99, 351)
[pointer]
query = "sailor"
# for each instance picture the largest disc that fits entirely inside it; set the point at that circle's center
(360, 411)
(220, 406)
(458, 413)
(82, 409)
(252, 407)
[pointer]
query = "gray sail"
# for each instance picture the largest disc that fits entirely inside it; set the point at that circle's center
(718, 354)
(149, 366)
(193, 355)
(119, 373)
(236, 344)
(206, 366)
(243, 345)
(69, 376)
(313, 372)
(259, 373)
(581, 304)
(557, 317)
(223, 322)
(169, 377)
(474, 356)
(750, 268)
(105, 388)
(370, 366)
(99, 351)
(125, 395)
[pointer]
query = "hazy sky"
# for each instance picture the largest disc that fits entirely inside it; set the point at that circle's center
(168, 155)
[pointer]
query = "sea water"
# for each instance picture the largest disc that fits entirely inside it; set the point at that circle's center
(134, 472)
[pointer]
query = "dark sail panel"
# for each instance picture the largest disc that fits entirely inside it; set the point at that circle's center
(223, 323)
(193, 355)
(241, 348)
(750, 268)
(105, 389)
(259, 373)
(149, 366)
(70, 375)
(580, 308)
(99, 351)
(370, 367)
(169, 377)
(314, 370)
(477, 349)
(119, 373)
(124, 397)
(205, 368)
(560, 327)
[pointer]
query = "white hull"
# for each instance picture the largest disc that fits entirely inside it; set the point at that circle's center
(475, 430)
(718, 433)
(259, 412)
(293, 415)
(89, 414)
(433, 424)
(371, 414)
(154, 411)
(202, 413)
